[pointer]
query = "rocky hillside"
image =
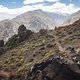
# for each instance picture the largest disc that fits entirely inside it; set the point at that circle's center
(6, 29)
(46, 55)
(33, 20)
(73, 18)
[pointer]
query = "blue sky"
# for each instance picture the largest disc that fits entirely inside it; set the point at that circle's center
(12, 3)
(19, 3)
(17, 7)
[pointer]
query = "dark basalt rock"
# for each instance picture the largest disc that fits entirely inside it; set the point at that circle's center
(52, 70)
(21, 29)
(1, 43)
(2, 49)
(23, 34)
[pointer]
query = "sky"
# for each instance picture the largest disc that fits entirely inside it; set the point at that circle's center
(12, 8)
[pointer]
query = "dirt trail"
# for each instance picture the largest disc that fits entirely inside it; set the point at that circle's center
(61, 49)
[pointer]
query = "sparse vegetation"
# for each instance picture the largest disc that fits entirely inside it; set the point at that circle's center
(26, 52)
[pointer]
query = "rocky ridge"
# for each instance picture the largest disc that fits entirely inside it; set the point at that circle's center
(73, 18)
(46, 55)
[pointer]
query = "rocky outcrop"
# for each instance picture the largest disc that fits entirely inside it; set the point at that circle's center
(2, 49)
(53, 69)
(1, 43)
(23, 34)
(43, 31)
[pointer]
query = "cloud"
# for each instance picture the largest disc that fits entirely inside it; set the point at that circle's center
(32, 1)
(38, 1)
(10, 13)
(52, 0)
(56, 7)
(15, 11)
(59, 7)
(65, 9)
(6, 16)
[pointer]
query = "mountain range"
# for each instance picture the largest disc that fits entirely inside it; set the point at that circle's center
(33, 20)
(74, 17)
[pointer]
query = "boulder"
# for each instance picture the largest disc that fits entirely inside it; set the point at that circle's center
(21, 29)
(1, 43)
(23, 33)
(53, 70)
(2, 49)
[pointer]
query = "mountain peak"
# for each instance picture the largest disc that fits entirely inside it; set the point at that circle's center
(33, 20)
(73, 18)
(38, 10)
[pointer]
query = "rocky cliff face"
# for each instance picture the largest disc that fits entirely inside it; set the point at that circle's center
(73, 18)
(6, 29)
(53, 69)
